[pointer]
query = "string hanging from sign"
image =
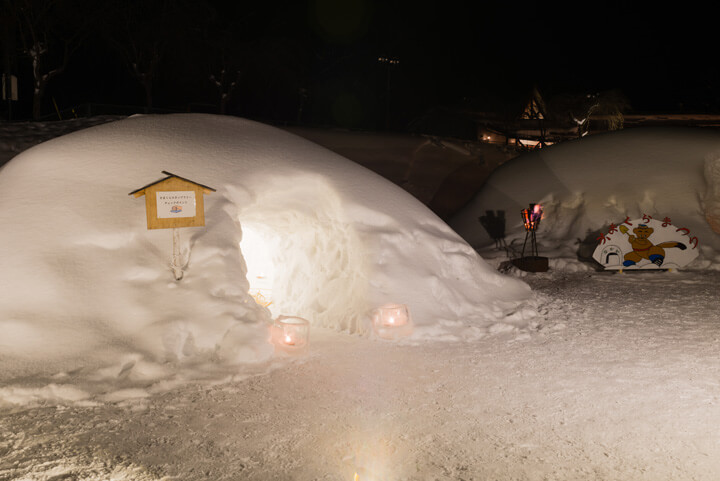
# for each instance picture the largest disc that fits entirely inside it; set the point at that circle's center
(178, 264)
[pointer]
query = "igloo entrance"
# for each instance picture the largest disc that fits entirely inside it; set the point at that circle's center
(259, 262)
(303, 259)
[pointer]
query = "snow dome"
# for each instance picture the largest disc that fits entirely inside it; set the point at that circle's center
(588, 184)
(308, 232)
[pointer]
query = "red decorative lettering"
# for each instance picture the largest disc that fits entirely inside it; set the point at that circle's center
(666, 222)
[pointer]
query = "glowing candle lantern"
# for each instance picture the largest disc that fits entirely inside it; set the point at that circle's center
(291, 334)
(394, 315)
(392, 321)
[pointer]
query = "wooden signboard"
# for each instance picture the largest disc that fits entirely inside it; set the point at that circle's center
(174, 202)
(645, 243)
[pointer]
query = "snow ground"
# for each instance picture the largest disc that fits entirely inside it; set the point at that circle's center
(618, 378)
(609, 387)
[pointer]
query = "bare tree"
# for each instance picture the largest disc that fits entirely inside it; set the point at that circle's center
(9, 53)
(225, 49)
(577, 109)
(225, 83)
(142, 31)
(49, 33)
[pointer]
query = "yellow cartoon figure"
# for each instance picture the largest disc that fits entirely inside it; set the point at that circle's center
(643, 248)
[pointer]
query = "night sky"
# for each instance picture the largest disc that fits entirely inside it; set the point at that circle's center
(317, 62)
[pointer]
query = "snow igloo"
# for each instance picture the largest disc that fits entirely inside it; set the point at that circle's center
(586, 184)
(315, 234)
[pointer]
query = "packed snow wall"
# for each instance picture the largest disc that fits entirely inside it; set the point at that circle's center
(711, 201)
(587, 184)
(84, 278)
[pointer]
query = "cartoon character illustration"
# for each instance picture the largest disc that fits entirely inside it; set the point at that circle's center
(176, 209)
(643, 248)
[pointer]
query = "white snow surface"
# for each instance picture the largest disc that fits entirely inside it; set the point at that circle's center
(587, 184)
(88, 290)
(610, 387)
(616, 378)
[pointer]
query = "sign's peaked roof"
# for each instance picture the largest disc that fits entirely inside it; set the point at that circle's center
(140, 191)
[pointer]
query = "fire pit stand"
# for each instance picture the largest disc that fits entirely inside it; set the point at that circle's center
(534, 262)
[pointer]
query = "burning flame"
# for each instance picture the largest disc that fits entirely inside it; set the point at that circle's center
(532, 217)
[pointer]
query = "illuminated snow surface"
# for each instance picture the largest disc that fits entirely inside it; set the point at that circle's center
(614, 377)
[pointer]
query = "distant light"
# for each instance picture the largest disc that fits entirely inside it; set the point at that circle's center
(388, 60)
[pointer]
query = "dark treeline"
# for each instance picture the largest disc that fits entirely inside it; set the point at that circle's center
(172, 54)
(352, 63)
(319, 62)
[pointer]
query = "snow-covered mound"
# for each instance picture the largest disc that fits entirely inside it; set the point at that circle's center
(15, 137)
(85, 284)
(587, 184)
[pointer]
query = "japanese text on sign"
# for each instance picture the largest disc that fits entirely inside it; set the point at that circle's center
(172, 204)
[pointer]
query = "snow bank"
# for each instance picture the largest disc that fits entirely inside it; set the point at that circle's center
(587, 184)
(88, 289)
(16, 137)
